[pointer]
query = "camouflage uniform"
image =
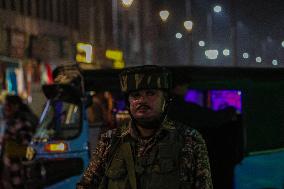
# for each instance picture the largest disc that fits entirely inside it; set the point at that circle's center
(174, 157)
(194, 167)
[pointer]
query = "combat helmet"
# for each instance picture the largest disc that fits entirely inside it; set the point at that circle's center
(145, 77)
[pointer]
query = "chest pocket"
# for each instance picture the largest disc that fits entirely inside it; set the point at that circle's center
(117, 174)
(117, 169)
(165, 171)
(167, 166)
(165, 175)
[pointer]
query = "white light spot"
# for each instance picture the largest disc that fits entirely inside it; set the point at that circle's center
(258, 59)
(211, 54)
(245, 55)
(201, 43)
(226, 52)
(274, 62)
(178, 35)
(282, 44)
(217, 8)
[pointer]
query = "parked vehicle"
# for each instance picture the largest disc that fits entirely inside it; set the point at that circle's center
(238, 111)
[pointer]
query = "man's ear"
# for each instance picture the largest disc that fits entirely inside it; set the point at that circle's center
(168, 97)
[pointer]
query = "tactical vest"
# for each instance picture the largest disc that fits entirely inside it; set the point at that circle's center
(159, 169)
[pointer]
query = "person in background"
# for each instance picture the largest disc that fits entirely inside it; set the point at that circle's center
(151, 151)
(20, 126)
(220, 129)
(99, 111)
(99, 116)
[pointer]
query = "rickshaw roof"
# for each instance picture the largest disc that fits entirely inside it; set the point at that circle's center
(107, 79)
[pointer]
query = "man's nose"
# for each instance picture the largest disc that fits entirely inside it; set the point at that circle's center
(142, 98)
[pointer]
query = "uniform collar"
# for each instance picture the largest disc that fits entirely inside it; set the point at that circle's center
(130, 129)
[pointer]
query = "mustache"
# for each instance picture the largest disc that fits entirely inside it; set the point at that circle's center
(142, 106)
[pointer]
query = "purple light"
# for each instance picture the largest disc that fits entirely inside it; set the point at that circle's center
(194, 96)
(221, 99)
(120, 104)
(218, 99)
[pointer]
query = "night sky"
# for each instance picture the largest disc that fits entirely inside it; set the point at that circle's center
(265, 17)
(259, 31)
(262, 17)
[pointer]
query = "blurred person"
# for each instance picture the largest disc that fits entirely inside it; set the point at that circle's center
(99, 116)
(100, 110)
(221, 130)
(151, 151)
(20, 126)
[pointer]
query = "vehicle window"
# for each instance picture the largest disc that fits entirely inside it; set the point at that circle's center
(59, 120)
(215, 99)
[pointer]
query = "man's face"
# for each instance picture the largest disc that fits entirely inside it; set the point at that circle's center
(146, 105)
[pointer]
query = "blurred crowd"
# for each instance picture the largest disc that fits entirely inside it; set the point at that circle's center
(17, 125)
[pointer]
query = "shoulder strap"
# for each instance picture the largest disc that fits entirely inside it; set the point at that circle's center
(128, 156)
(180, 128)
(114, 143)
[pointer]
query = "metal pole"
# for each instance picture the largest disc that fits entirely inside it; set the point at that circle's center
(234, 33)
(141, 30)
(126, 35)
(115, 23)
(209, 28)
(92, 22)
(188, 10)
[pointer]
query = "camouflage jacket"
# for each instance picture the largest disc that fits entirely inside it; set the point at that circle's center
(195, 168)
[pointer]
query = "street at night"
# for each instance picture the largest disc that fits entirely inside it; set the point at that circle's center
(141, 94)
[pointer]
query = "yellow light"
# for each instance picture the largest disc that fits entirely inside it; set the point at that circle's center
(118, 64)
(30, 153)
(115, 55)
(56, 147)
(127, 3)
(164, 14)
(84, 53)
(188, 25)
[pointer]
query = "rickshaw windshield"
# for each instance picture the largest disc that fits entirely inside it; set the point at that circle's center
(60, 120)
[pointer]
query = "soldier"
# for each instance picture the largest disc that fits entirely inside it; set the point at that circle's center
(151, 151)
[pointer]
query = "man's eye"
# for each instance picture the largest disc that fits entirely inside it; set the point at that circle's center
(134, 95)
(150, 93)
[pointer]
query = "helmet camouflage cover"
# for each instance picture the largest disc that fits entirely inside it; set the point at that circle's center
(145, 77)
